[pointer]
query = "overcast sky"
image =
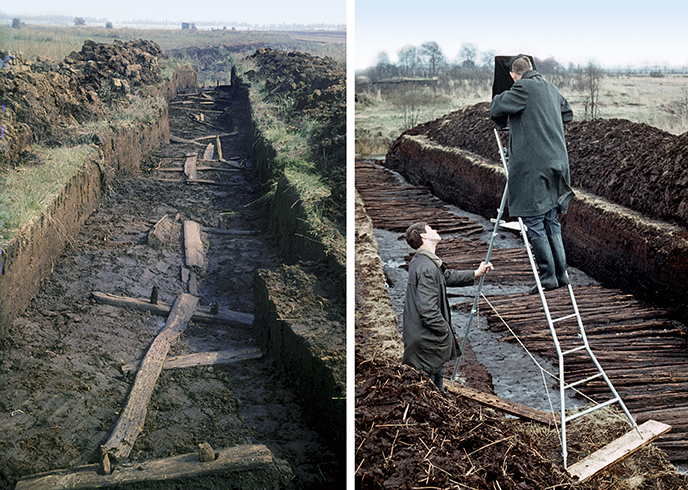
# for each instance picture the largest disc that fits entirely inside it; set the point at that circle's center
(609, 32)
(249, 11)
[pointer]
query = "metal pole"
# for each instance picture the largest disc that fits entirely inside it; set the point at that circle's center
(495, 231)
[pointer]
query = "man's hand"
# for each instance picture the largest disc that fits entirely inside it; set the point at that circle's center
(483, 269)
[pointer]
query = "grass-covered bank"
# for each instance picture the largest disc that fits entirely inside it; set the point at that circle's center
(299, 151)
(298, 112)
(66, 133)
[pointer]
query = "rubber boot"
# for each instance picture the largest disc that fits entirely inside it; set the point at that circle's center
(545, 262)
(559, 255)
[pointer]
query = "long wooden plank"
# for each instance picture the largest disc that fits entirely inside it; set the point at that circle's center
(193, 247)
(202, 313)
(177, 139)
(253, 458)
(206, 358)
(501, 404)
(218, 145)
(617, 450)
(130, 422)
(217, 231)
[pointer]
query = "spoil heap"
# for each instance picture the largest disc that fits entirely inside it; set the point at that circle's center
(42, 99)
(634, 165)
(317, 88)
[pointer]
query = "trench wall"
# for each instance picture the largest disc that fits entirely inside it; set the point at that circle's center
(29, 256)
(316, 375)
(310, 358)
(617, 246)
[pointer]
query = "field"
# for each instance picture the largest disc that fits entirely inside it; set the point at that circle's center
(660, 102)
(58, 42)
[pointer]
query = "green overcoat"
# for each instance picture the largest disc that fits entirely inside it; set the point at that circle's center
(539, 177)
(429, 339)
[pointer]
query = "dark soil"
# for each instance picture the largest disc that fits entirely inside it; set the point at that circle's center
(634, 165)
(61, 383)
(409, 435)
(43, 99)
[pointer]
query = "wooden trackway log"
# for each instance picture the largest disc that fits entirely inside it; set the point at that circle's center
(177, 139)
(617, 450)
(206, 358)
(201, 315)
(219, 147)
(501, 404)
(217, 231)
(213, 182)
(157, 235)
(209, 151)
(193, 247)
(199, 169)
(243, 458)
(190, 167)
(130, 422)
(222, 135)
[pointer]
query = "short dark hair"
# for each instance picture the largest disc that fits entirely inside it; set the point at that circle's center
(521, 65)
(413, 234)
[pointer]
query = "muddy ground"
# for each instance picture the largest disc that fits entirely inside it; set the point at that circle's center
(408, 435)
(61, 380)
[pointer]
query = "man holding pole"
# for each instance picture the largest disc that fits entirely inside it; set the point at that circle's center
(539, 178)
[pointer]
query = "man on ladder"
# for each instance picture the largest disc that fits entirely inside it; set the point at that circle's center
(539, 178)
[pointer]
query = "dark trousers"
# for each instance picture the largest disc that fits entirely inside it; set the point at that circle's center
(543, 225)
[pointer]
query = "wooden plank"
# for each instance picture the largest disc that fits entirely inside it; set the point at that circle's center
(190, 167)
(617, 450)
(219, 147)
(244, 458)
(222, 135)
(213, 182)
(501, 404)
(158, 234)
(200, 169)
(209, 152)
(202, 314)
(177, 139)
(193, 247)
(217, 231)
(130, 422)
(206, 358)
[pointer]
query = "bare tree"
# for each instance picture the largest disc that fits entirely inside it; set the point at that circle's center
(467, 54)
(487, 59)
(383, 65)
(16, 23)
(79, 21)
(410, 99)
(593, 76)
(432, 54)
(408, 60)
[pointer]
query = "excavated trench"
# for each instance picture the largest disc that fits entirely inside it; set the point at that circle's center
(68, 361)
(641, 346)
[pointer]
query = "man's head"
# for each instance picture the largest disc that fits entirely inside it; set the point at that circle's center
(419, 233)
(519, 67)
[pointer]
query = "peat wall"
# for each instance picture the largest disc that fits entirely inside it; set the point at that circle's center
(308, 348)
(611, 243)
(29, 256)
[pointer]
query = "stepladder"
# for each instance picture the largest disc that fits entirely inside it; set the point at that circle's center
(579, 344)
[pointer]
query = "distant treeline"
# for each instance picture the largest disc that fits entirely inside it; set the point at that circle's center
(63, 20)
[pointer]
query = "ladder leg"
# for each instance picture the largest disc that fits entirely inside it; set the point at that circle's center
(584, 338)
